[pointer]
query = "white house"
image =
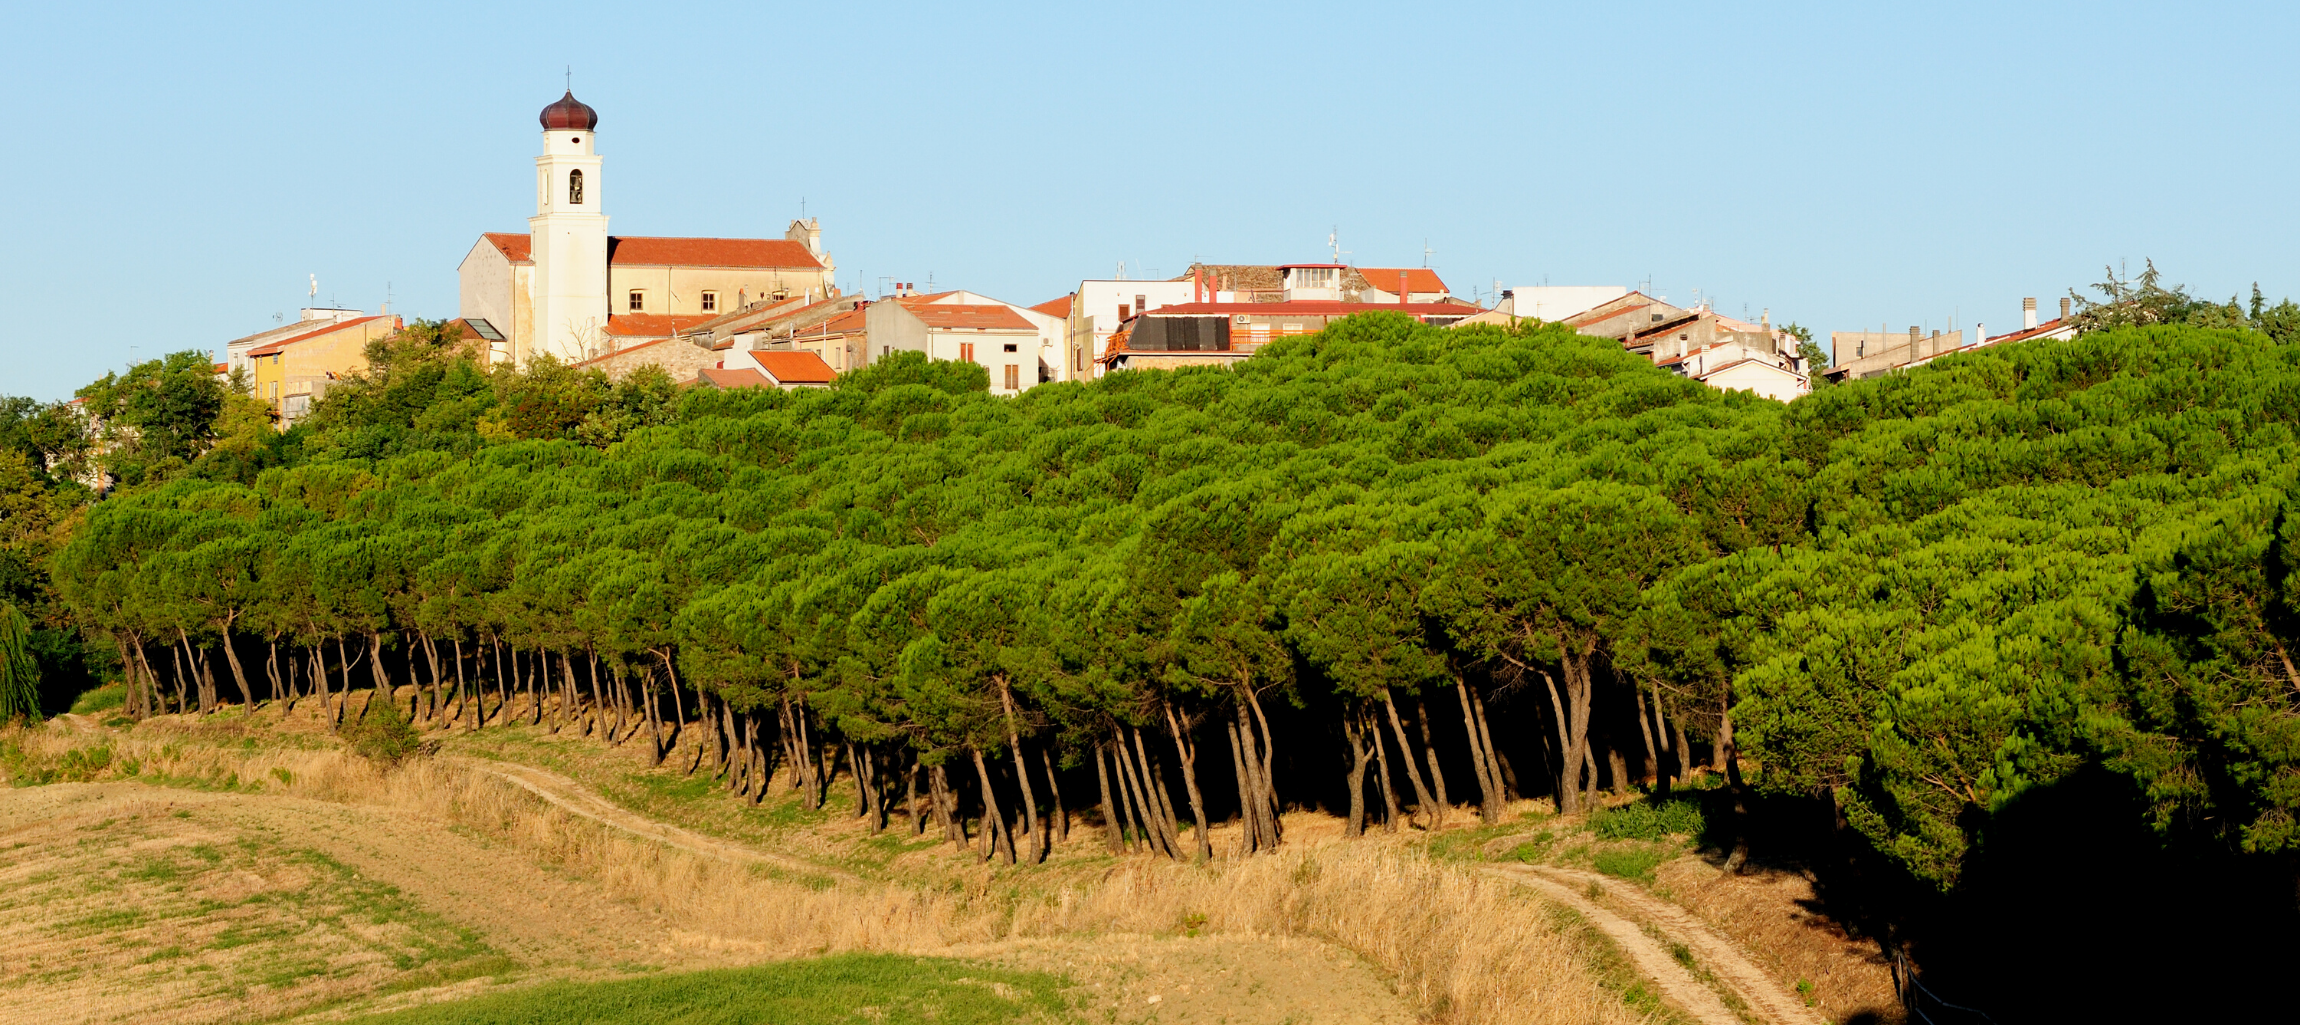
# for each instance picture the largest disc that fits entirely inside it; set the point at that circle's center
(1019, 346)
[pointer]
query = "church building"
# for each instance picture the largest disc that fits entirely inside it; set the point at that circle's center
(569, 290)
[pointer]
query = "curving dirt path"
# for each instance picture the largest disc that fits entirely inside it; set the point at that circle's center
(573, 797)
(1719, 955)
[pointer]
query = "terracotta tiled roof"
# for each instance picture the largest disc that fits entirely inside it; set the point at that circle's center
(641, 251)
(1418, 279)
(346, 325)
(619, 352)
(795, 367)
(1315, 308)
(1057, 307)
(2024, 334)
(742, 378)
(711, 252)
(222, 369)
(987, 317)
(516, 248)
(660, 325)
(851, 320)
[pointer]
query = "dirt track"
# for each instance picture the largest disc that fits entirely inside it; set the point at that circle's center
(1718, 955)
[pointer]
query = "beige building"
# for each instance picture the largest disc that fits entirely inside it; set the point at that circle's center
(580, 293)
(292, 373)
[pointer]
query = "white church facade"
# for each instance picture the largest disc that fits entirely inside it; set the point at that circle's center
(569, 290)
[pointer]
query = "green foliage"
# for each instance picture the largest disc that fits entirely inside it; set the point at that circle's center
(157, 416)
(822, 991)
(381, 732)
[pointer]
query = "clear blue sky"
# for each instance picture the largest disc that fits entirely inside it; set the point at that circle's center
(172, 173)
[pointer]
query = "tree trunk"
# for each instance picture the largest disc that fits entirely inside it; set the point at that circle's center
(1157, 819)
(1382, 777)
(1188, 754)
(239, 674)
(272, 668)
(1481, 756)
(910, 796)
(1569, 760)
(1134, 822)
(1426, 805)
(1721, 750)
(1645, 729)
(1263, 763)
(1250, 817)
(1060, 815)
(997, 836)
(1353, 727)
(1429, 753)
(1031, 824)
(938, 793)
(1115, 831)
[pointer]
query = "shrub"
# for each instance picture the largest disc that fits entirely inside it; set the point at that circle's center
(1646, 820)
(381, 733)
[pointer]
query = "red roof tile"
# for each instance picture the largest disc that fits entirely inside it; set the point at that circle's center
(222, 369)
(661, 325)
(342, 325)
(1057, 307)
(711, 252)
(987, 317)
(742, 378)
(1418, 279)
(516, 248)
(639, 251)
(795, 367)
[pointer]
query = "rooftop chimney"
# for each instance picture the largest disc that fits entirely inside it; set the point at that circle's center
(2064, 307)
(2028, 313)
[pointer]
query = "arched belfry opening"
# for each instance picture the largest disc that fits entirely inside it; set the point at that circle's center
(575, 188)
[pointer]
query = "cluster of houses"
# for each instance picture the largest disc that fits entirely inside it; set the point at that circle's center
(768, 313)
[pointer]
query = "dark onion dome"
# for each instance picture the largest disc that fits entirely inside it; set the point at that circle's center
(569, 113)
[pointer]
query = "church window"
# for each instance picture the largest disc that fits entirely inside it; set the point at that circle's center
(710, 301)
(638, 301)
(575, 187)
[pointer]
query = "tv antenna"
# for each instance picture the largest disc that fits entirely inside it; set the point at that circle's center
(1427, 252)
(1333, 241)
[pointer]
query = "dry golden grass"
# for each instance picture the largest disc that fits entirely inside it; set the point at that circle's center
(1457, 947)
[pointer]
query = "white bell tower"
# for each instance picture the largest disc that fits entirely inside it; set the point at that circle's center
(568, 235)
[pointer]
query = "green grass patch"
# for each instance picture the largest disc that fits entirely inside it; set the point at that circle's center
(1635, 863)
(842, 989)
(1647, 820)
(100, 699)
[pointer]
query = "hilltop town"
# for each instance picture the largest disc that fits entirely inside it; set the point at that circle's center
(768, 312)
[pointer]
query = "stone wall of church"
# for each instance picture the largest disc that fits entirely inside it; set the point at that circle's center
(678, 357)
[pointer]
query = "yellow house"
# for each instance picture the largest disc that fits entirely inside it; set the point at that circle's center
(292, 373)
